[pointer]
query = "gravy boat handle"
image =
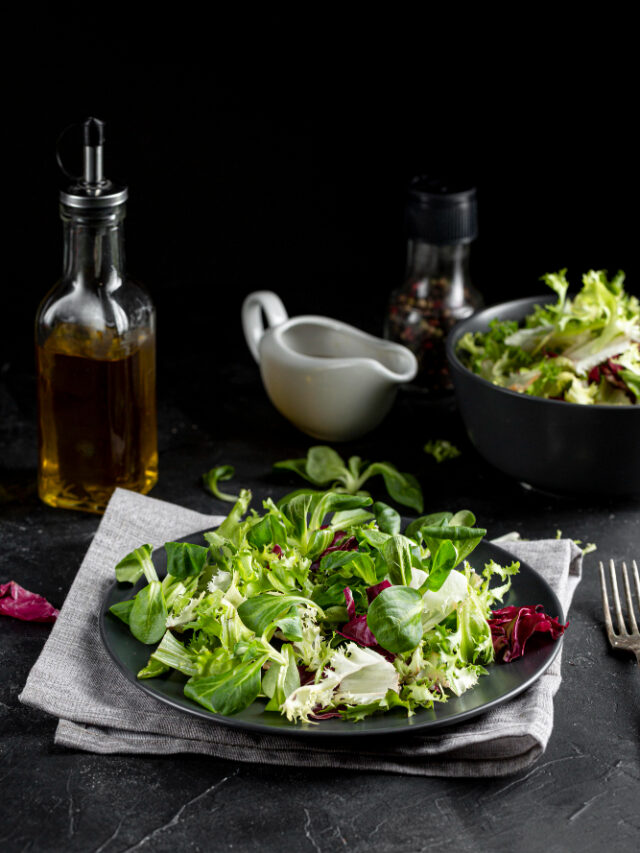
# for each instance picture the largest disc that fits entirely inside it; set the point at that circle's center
(252, 324)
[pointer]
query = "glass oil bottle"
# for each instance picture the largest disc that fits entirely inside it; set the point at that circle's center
(95, 354)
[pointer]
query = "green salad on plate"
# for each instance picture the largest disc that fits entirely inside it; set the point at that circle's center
(320, 607)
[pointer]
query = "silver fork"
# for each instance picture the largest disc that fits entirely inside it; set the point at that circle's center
(624, 639)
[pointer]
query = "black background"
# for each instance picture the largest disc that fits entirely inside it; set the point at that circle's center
(297, 185)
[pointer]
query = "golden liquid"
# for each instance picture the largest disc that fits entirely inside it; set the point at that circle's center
(96, 417)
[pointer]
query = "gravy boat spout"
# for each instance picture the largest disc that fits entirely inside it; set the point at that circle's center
(331, 380)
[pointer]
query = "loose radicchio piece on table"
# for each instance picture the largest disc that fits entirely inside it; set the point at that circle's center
(25, 605)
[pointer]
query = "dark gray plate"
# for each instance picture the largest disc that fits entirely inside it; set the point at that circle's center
(503, 682)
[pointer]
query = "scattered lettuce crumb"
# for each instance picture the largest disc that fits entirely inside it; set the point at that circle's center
(441, 449)
(588, 548)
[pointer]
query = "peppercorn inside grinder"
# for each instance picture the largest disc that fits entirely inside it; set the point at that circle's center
(442, 222)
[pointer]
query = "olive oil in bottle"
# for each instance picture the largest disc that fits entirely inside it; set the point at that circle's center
(95, 354)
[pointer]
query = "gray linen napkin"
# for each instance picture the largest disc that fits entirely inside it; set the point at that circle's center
(100, 711)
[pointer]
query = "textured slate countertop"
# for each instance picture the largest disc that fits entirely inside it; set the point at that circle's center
(582, 794)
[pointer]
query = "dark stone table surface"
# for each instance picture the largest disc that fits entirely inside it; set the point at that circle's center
(582, 795)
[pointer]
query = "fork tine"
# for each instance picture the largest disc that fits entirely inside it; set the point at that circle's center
(622, 628)
(605, 604)
(635, 572)
(627, 590)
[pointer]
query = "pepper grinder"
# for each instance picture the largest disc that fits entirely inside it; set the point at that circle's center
(442, 222)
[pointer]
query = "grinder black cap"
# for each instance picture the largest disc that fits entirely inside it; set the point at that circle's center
(441, 211)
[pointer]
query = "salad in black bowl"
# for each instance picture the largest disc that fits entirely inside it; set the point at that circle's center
(548, 387)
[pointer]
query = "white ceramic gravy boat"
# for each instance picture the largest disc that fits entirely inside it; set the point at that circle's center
(331, 380)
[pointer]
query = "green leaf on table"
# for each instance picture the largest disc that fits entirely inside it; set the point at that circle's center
(219, 475)
(298, 466)
(324, 465)
(394, 617)
(403, 488)
(148, 617)
(441, 449)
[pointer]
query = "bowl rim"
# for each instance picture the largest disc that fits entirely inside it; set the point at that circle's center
(461, 328)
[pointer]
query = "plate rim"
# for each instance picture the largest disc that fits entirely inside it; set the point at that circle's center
(351, 729)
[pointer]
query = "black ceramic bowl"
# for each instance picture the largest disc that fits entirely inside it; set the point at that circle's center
(566, 448)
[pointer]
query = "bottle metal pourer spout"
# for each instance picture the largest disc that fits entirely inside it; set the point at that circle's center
(93, 151)
(91, 190)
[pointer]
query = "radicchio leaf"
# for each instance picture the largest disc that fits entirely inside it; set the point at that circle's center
(356, 628)
(358, 631)
(306, 675)
(609, 370)
(351, 605)
(25, 605)
(374, 591)
(327, 715)
(511, 627)
(341, 542)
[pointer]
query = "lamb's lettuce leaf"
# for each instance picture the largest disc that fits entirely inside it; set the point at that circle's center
(185, 559)
(219, 475)
(136, 564)
(148, 615)
(323, 466)
(395, 618)
(228, 692)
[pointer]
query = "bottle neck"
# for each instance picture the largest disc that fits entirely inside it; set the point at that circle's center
(94, 248)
